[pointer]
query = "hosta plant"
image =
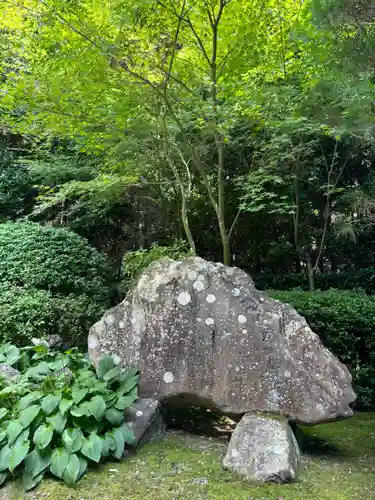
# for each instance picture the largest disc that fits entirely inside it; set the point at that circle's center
(60, 415)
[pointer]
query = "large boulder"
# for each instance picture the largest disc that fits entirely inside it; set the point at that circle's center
(201, 331)
(263, 449)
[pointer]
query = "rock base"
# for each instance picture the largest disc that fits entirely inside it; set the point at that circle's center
(262, 450)
(146, 420)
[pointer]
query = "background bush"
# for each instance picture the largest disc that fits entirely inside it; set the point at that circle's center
(362, 279)
(51, 282)
(345, 322)
(134, 263)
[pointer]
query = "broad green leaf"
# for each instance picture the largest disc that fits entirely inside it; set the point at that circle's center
(127, 433)
(65, 404)
(3, 412)
(29, 482)
(17, 454)
(92, 447)
(27, 400)
(120, 443)
(71, 472)
(13, 355)
(116, 417)
(97, 407)
(82, 467)
(43, 436)
(40, 370)
(105, 365)
(125, 402)
(79, 394)
(37, 461)
(4, 458)
(57, 421)
(128, 385)
(14, 429)
(113, 374)
(72, 440)
(3, 476)
(28, 415)
(50, 403)
(59, 462)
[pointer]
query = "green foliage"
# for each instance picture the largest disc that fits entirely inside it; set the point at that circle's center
(134, 263)
(51, 282)
(51, 259)
(361, 279)
(345, 323)
(60, 415)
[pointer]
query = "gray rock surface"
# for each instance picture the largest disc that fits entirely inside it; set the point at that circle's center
(263, 449)
(202, 331)
(146, 420)
(8, 372)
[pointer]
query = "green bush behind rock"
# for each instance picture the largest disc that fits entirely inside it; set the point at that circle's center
(51, 282)
(345, 322)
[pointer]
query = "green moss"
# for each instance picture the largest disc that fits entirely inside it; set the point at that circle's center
(338, 464)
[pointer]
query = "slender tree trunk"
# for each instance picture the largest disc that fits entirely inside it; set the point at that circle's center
(311, 273)
(219, 139)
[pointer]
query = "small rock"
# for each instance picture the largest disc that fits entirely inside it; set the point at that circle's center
(263, 449)
(9, 373)
(146, 421)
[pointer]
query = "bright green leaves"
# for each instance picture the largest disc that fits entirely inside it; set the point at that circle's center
(18, 453)
(28, 415)
(79, 394)
(4, 458)
(14, 429)
(116, 417)
(57, 421)
(72, 440)
(43, 436)
(92, 447)
(72, 470)
(65, 404)
(65, 425)
(50, 403)
(97, 407)
(59, 462)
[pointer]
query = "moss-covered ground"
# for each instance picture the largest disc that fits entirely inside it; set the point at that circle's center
(338, 464)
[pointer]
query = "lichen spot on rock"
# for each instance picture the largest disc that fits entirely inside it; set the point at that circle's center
(109, 320)
(139, 413)
(236, 292)
(121, 325)
(184, 298)
(244, 331)
(210, 298)
(116, 359)
(93, 342)
(192, 275)
(242, 319)
(210, 321)
(168, 377)
(198, 286)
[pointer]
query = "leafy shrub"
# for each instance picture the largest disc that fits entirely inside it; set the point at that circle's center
(345, 322)
(27, 313)
(134, 263)
(51, 282)
(60, 415)
(53, 259)
(362, 279)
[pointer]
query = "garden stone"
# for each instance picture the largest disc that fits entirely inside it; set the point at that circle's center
(146, 420)
(263, 449)
(10, 374)
(201, 332)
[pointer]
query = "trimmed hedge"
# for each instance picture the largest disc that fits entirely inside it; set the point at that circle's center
(345, 322)
(363, 279)
(51, 282)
